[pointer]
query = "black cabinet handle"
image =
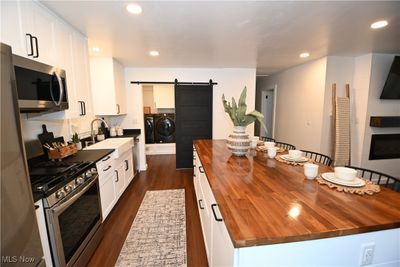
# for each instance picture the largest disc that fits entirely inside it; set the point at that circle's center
(106, 158)
(200, 200)
(30, 42)
(118, 110)
(84, 107)
(117, 176)
(37, 46)
(106, 169)
(36, 207)
(127, 165)
(81, 113)
(201, 169)
(215, 215)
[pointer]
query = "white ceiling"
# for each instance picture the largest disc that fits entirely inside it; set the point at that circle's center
(266, 35)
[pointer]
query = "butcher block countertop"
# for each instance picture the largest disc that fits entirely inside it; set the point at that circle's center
(264, 201)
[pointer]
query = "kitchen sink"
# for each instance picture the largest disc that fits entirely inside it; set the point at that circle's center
(120, 145)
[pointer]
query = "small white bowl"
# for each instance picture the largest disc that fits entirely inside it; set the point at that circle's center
(269, 144)
(344, 173)
(295, 154)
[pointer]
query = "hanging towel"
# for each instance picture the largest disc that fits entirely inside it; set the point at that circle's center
(342, 134)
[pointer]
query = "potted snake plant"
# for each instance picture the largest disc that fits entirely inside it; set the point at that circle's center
(238, 141)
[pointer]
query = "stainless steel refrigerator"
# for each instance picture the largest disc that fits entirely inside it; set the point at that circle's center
(20, 240)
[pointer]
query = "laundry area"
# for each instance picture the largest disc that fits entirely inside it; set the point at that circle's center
(159, 118)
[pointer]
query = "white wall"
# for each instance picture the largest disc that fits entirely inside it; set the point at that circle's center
(230, 82)
(339, 70)
(299, 105)
(380, 67)
(362, 76)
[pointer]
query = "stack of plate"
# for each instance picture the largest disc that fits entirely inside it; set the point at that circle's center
(287, 157)
(331, 177)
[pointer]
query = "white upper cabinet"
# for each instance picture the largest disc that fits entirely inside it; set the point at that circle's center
(164, 96)
(83, 96)
(28, 28)
(43, 35)
(108, 90)
(11, 27)
(28, 23)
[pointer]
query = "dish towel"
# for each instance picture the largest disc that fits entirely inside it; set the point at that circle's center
(342, 132)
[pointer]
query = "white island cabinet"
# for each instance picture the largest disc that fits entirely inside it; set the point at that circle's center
(348, 250)
(115, 171)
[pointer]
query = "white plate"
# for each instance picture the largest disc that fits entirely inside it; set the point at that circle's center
(330, 177)
(289, 158)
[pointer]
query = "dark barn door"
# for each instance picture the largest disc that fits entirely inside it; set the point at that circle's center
(193, 108)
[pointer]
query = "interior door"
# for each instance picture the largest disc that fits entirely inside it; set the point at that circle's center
(193, 108)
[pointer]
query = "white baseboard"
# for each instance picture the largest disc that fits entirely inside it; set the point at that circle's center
(160, 149)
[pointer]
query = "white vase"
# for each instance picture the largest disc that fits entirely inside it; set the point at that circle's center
(100, 137)
(238, 142)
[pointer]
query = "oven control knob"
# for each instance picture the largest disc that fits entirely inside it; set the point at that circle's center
(93, 170)
(79, 180)
(68, 188)
(60, 194)
(88, 174)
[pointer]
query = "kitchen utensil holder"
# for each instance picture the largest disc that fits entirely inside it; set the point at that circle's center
(62, 152)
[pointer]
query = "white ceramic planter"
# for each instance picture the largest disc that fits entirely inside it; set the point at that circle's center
(78, 146)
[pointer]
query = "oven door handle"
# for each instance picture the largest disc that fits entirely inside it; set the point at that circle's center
(66, 203)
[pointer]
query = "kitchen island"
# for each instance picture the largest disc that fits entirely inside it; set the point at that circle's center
(259, 211)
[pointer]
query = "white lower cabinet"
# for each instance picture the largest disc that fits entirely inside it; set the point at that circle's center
(105, 169)
(107, 194)
(219, 247)
(119, 174)
(129, 168)
(115, 174)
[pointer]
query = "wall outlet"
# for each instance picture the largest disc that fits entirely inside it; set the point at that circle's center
(367, 254)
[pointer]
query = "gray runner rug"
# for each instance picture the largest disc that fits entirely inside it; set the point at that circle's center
(158, 234)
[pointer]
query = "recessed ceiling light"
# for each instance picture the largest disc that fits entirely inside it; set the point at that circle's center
(303, 55)
(96, 49)
(379, 24)
(154, 53)
(134, 9)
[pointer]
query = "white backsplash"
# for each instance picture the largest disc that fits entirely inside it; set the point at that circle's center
(32, 126)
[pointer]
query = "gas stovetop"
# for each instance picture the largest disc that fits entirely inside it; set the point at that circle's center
(47, 176)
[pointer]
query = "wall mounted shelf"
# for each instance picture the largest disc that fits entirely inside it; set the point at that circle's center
(384, 121)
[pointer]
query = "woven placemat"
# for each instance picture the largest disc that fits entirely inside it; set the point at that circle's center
(264, 149)
(278, 158)
(369, 188)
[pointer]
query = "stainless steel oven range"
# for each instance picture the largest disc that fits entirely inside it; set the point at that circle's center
(73, 210)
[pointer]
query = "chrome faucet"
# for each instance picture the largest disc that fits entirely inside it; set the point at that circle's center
(92, 133)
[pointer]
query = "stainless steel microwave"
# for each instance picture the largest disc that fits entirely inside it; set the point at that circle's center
(40, 87)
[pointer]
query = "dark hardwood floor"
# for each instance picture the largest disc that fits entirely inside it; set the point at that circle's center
(161, 174)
